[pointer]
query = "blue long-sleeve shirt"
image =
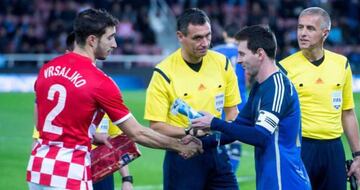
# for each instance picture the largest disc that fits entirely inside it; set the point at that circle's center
(271, 122)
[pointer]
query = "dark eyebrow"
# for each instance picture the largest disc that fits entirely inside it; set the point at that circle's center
(112, 35)
(311, 26)
(240, 52)
(200, 36)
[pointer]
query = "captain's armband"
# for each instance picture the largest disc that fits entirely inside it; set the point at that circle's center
(267, 120)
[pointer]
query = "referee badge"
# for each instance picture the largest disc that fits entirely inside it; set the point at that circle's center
(337, 99)
(219, 102)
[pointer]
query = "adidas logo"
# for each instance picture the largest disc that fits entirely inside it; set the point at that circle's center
(201, 87)
(319, 81)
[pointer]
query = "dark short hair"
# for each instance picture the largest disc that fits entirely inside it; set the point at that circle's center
(258, 36)
(70, 39)
(231, 30)
(92, 22)
(193, 16)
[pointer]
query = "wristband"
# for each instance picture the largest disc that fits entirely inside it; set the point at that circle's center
(356, 154)
(128, 178)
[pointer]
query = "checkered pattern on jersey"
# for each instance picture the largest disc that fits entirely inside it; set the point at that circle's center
(52, 164)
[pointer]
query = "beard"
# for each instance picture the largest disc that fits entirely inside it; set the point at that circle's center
(100, 53)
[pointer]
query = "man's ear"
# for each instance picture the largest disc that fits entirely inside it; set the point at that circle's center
(325, 34)
(92, 40)
(180, 36)
(261, 53)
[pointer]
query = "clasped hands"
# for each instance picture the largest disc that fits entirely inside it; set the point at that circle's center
(191, 146)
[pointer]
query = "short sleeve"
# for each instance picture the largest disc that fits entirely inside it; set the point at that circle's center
(109, 98)
(157, 103)
(348, 102)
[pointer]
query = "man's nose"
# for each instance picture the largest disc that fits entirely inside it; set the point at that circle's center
(205, 42)
(302, 32)
(114, 45)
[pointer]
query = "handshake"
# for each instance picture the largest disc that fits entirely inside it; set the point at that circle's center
(190, 146)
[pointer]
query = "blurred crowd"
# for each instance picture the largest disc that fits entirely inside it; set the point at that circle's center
(41, 26)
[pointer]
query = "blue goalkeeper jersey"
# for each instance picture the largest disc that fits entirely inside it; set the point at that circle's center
(230, 51)
(270, 121)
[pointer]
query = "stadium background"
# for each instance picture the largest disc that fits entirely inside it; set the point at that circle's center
(34, 31)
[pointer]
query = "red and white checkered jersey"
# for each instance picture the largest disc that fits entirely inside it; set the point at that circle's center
(71, 94)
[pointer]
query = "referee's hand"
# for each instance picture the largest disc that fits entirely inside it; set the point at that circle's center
(355, 169)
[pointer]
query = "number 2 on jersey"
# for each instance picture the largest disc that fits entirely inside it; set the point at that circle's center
(48, 126)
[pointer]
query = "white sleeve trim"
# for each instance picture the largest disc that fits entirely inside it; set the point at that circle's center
(267, 120)
(123, 119)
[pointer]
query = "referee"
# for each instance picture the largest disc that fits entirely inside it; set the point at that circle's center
(206, 81)
(323, 80)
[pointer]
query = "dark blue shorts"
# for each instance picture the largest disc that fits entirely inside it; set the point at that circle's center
(325, 163)
(208, 171)
(105, 184)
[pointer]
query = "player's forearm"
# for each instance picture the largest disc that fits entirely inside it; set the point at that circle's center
(153, 139)
(247, 134)
(168, 130)
(124, 171)
(210, 141)
(351, 129)
(148, 137)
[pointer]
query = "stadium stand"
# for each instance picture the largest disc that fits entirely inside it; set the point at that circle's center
(41, 26)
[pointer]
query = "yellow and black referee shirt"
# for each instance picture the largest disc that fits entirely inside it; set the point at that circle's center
(324, 91)
(210, 89)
